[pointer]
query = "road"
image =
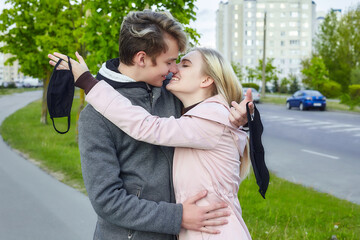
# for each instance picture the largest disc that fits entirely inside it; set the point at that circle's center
(34, 205)
(314, 148)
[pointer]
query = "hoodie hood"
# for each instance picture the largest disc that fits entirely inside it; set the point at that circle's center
(217, 109)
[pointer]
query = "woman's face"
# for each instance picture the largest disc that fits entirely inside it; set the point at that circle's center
(189, 76)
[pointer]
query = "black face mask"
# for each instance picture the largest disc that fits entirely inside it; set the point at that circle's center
(60, 94)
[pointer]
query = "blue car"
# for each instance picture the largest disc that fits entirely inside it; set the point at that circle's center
(306, 99)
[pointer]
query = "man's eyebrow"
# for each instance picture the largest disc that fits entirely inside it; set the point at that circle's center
(171, 59)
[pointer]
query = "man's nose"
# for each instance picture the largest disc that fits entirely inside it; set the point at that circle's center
(174, 68)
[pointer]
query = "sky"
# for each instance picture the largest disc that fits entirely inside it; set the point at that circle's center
(206, 15)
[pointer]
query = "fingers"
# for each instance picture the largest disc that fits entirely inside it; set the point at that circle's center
(60, 55)
(248, 97)
(53, 61)
(80, 58)
(251, 107)
(207, 230)
(213, 207)
(197, 197)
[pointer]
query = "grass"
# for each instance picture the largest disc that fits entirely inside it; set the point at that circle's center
(290, 211)
(280, 99)
(7, 91)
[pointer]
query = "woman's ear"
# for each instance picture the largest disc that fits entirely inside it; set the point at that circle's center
(139, 58)
(206, 82)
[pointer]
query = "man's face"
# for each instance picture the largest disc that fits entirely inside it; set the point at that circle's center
(165, 63)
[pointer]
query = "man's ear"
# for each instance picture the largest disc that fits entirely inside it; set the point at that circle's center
(139, 58)
(206, 82)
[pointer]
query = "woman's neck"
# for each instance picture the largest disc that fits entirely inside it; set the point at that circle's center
(191, 99)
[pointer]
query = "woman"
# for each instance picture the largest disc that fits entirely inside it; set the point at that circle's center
(210, 153)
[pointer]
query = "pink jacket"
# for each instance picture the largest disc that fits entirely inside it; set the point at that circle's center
(207, 153)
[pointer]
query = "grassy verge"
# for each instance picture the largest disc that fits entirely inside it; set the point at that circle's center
(330, 105)
(289, 212)
(7, 91)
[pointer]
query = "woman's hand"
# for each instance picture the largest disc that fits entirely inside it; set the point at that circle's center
(78, 68)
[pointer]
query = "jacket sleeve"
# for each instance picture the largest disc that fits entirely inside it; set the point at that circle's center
(105, 187)
(187, 131)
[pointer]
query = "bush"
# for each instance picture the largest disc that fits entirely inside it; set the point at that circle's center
(251, 85)
(331, 89)
(354, 91)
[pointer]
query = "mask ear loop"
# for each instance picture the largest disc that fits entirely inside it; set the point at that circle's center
(69, 121)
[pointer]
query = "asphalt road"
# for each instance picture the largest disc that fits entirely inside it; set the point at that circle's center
(34, 205)
(314, 148)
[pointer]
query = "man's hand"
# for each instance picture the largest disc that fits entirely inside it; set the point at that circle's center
(197, 218)
(237, 115)
(78, 68)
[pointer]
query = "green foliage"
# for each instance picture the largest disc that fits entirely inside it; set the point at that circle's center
(338, 45)
(251, 85)
(330, 89)
(237, 70)
(294, 85)
(355, 76)
(103, 22)
(314, 72)
(251, 74)
(270, 70)
(276, 87)
(353, 98)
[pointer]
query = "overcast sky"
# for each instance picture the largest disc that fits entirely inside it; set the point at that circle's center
(206, 15)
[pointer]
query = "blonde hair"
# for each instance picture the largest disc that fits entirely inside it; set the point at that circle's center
(227, 85)
(226, 82)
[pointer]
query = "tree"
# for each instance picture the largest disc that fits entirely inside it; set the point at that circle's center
(294, 84)
(314, 72)
(237, 70)
(32, 29)
(251, 74)
(338, 45)
(30, 32)
(270, 70)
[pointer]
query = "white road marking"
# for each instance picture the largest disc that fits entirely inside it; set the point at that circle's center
(346, 130)
(320, 154)
(337, 126)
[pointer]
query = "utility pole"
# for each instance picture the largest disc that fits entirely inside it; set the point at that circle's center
(264, 59)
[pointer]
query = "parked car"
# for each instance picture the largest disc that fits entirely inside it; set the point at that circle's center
(255, 94)
(306, 99)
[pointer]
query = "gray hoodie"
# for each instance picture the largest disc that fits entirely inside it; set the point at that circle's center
(129, 183)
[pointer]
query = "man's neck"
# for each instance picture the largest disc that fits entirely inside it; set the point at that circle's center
(129, 71)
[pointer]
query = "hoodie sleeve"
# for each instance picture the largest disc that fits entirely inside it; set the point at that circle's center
(187, 131)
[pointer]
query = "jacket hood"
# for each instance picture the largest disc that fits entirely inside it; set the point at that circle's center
(217, 109)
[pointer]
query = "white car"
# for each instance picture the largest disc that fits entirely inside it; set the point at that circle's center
(255, 94)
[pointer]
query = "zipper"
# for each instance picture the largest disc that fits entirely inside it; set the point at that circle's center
(149, 90)
(131, 232)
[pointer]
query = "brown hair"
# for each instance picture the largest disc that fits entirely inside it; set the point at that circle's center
(144, 31)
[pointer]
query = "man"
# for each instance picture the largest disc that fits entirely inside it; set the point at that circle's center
(129, 183)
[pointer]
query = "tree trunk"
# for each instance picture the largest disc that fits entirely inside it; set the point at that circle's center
(44, 107)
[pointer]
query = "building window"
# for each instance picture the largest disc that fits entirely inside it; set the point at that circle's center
(236, 7)
(303, 43)
(249, 5)
(235, 34)
(304, 34)
(304, 15)
(282, 61)
(236, 25)
(292, 24)
(249, 14)
(294, 5)
(271, 5)
(259, 24)
(282, 5)
(305, 6)
(271, 34)
(283, 14)
(282, 43)
(282, 34)
(294, 42)
(271, 24)
(294, 14)
(235, 43)
(259, 15)
(282, 25)
(249, 43)
(306, 25)
(248, 24)
(294, 33)
(261, 5)
(236, 16)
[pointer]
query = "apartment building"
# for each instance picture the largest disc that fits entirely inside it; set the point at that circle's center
(290, 27)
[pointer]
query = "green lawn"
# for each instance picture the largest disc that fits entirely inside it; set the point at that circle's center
(7, 91)
(290, 211)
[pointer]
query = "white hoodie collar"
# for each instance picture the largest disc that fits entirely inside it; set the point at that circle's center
(114, 76)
